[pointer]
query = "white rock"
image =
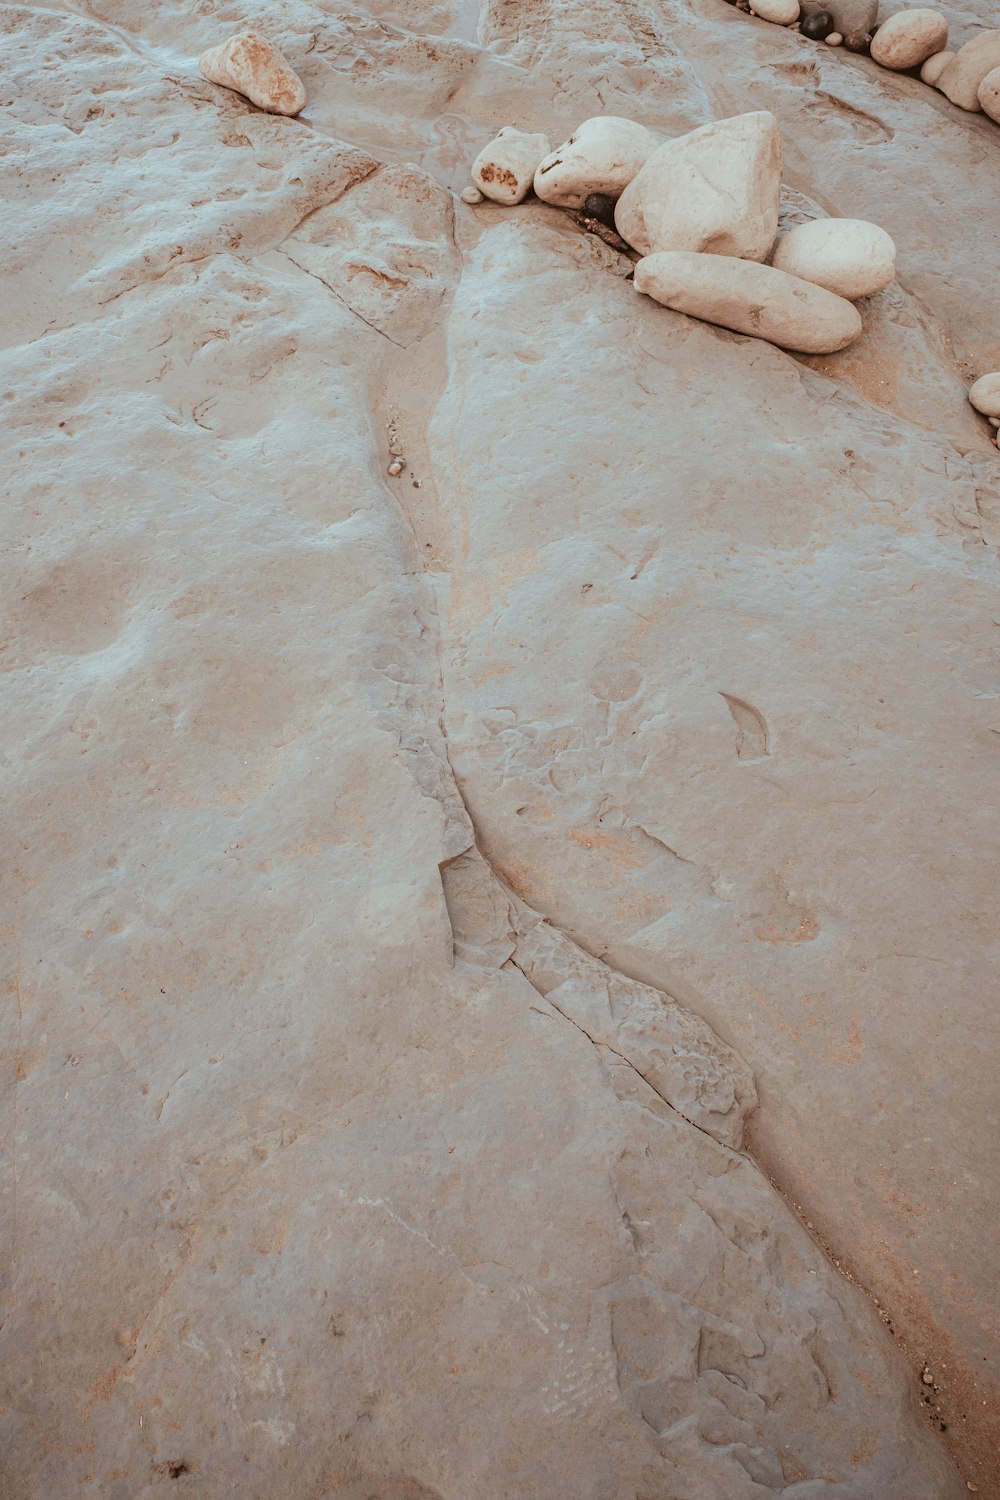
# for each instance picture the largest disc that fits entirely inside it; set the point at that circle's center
(935, 65)
(750, 298)
(909, 37)
(254, 67)
(834, 39)
(985, 394)
(505, 169)
(848, 256)
(781, 12)
(988, 94)
(714, 190)
(968, 68)
(601, 156)
(472, 195)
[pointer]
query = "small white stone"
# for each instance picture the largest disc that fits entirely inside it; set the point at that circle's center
(909, 38)
(505, 169)
(848, 256)
(252, 66)
(601, 156)
(472, 195)
(834, 39)
(781, 12)
(985, 394)
(935, 65)
(396, 467)
(751, 299)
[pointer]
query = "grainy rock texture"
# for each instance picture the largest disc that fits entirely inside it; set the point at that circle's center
(714, 190)
(411, 884)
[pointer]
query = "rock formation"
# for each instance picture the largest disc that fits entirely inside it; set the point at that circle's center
(499, 955)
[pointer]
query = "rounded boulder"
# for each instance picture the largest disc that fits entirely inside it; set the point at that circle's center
(909, 38)
(971, 64)
(984, 395)
(848, 256)
(781, 12)
(505, 169)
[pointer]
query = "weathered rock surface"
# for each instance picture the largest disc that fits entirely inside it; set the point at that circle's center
(308, 1190)
(985, 394)
(504, 169)
(253, 66)
(749, 298)
(848, 256)
(988, 94)
(909, 38)
(715, 190)
(971, 64)
(601, 156)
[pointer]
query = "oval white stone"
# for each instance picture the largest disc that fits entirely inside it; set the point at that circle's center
(714, 190)
(750, 298)
(505, 169)
(781, 12)
(909, 37)
(601, 156)
(984, 395)
(971, 64)
(848, 256)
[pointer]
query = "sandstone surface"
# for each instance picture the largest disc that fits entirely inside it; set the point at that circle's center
(411, 884)
(848, 256)
(601, 156)
(714, 190)
(961, 79)
(256, 68)
(749, 298)
(910, 37)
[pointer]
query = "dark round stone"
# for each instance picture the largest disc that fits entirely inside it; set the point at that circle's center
(601, 206)
(858, 41)
(818, 26)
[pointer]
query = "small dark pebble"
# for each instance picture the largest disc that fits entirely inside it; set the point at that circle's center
(601, 206)
(858, 41)
(818, 26)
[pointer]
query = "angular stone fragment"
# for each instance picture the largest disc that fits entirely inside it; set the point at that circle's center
(254, 67)
(715, 190)
(971, 64)
(935, 65)
(909, 38)
(985, 394)
(781, 12)
(504, 170)
(601, 156)
(848, 256)
(749, 298)
(988, 94)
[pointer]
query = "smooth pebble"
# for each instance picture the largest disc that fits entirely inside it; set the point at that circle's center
(834, 39)
(909, 38)
(971, 64)
(985, 394)
(780, 12)
(601, 156)
(935, 65)
(848, 256)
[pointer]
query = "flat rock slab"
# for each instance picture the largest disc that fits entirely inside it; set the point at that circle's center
(413, 885)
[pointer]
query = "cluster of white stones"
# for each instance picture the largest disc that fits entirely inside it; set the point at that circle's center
(702, 212)
(908, 40)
